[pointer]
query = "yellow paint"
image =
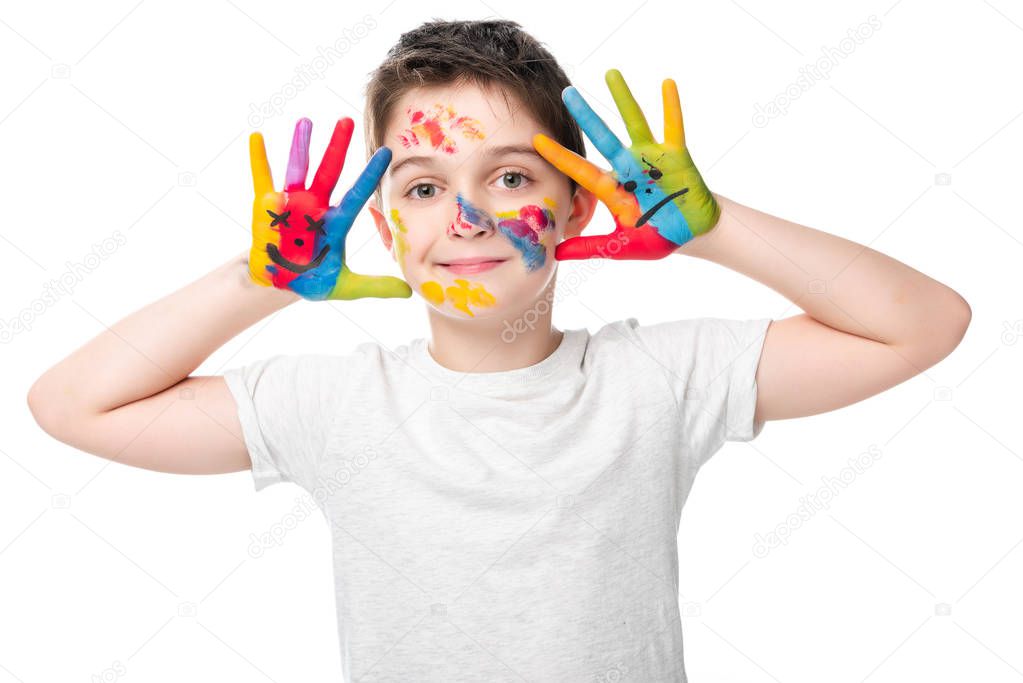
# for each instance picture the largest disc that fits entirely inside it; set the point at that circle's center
(265, 199)
(438, 125)
(433, 292)
(515, 213)
(398, 232)
(461, 295)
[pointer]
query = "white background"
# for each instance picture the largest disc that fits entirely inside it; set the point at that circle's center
(132, 119)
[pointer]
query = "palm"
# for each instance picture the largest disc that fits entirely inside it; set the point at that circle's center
(298, 239)
(655, 193)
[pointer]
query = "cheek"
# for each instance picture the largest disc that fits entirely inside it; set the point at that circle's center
(532, 230)
(410, 240)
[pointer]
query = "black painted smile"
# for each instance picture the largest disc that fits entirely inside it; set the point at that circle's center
(656, 207)
(275, 255)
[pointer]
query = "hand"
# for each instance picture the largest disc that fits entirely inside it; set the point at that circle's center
(657, 197)
(298, 240)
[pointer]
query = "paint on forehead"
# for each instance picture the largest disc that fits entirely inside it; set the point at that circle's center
(439, 126)
(398, 232)
(526, 229)
(461, 295)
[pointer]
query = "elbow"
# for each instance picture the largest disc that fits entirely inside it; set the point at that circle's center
(960, 316)
(39, 406)
(944, 331)
(49, 412)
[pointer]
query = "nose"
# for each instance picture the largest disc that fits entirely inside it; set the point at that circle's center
(470, 220)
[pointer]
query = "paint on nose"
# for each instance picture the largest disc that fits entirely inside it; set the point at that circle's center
(470, 216)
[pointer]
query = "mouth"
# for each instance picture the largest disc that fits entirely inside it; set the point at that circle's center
(657, 207)
(275, 255)
(471, 265)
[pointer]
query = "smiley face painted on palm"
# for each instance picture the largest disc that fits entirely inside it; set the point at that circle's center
(298, 240)
(655, 193)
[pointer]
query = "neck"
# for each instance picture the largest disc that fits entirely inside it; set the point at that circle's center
(516, 339)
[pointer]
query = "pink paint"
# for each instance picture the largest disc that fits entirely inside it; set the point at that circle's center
(438, 126)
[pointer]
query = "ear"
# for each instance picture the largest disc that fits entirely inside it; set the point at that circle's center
(383, 227)
(584, 203)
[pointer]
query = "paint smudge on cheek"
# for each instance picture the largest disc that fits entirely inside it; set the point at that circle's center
(398, 234)
(461, 295)
(527, 229)
(438, 127)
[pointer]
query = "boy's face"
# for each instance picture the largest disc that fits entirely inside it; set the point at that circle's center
(471, 212)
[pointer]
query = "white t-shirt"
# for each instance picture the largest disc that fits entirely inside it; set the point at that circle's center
(507, 526)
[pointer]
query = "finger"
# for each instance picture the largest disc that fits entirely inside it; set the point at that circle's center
(298, 161)
(333, 160)
(635, 122)
(592, 246)
(595, 128)
(576, 167)
(364, 185)
(357, 286)
(674, 130)
(262, 180)
(603, 185)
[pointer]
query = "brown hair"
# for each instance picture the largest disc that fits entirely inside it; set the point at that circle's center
(489, 54)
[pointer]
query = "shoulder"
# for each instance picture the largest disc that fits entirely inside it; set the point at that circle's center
(697, 333)
(690, 344)
(305, 369)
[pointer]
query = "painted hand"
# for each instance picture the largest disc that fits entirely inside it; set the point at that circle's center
(298, 239)
(657, 197)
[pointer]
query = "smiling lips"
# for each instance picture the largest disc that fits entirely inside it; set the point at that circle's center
(275, 255)
(467, 266)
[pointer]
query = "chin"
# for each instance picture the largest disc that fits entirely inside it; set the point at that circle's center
(482, 297)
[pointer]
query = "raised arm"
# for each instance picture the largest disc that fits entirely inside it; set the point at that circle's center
(870, 321)
(126, 395)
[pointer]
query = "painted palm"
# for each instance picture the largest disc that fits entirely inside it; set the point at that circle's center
(655, 193)
(298, 239)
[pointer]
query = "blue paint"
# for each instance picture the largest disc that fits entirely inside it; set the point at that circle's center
(670, 222)
(534, 255)
(473, 215)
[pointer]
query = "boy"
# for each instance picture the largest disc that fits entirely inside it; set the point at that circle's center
(523, 526)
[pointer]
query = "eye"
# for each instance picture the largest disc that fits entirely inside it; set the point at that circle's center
(654, 172)
(315, 225)
(423, 191)
(514, 180)
(279, 218)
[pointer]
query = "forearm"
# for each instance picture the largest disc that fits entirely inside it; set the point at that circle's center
(840, 283)
(160, 344)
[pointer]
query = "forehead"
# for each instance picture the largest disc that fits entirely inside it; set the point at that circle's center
(452, 120)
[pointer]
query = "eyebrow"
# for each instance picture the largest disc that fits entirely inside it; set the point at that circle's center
(497, 151)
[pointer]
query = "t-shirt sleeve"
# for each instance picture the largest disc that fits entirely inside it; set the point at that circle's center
(286, 406)
(710, 365)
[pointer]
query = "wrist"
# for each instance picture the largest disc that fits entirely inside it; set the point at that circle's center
(701, 245)
(237, 269)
